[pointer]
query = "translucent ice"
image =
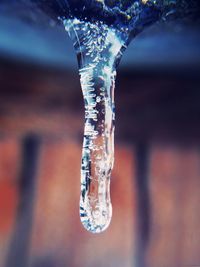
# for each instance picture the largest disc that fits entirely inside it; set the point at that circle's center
(98, 49)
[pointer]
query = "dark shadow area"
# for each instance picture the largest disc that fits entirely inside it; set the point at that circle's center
(18, 254)
(143, 203)
(160, 104)
(46, 262)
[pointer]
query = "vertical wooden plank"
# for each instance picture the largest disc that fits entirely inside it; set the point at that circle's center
(9, 166)
(189, 197)
(56, 215)
(175, 195)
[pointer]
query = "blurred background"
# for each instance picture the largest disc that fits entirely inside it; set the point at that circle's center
(155, 186)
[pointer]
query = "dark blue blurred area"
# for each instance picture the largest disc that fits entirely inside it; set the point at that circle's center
(158, 73)
(29, 34)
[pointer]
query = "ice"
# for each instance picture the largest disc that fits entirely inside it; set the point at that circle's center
(98, 48)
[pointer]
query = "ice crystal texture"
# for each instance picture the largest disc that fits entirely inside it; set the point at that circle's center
(99, 42)
(100, 31)
(97, 46)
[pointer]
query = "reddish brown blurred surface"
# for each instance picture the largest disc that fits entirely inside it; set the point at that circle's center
(49, 104)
